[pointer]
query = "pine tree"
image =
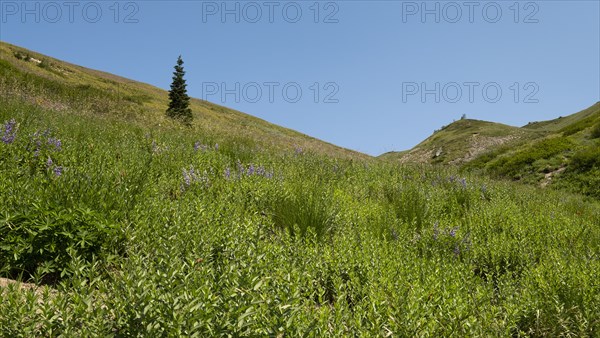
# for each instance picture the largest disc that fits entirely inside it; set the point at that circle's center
(179, 100)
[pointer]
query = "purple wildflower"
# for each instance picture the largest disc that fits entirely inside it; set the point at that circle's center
(58, 171)
(9, 131)
(227, 173)
(463, 182)
(299, 150)
(216, 147)
(456, 250)
(251, 170)
(452, 232)
(197, 145)
(49, 163)
(186, 178)
(55, 142)
(269, 175)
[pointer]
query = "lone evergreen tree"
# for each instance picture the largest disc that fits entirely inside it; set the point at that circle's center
(179, 105)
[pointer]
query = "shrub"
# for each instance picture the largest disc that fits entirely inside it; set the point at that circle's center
(42, 241)
(409, 203)
(586, 159)
(303, 208)
(520, 162)
(596, 131)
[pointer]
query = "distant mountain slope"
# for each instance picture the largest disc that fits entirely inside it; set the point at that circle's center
(563, 152)
(60, 86)
(462, 141)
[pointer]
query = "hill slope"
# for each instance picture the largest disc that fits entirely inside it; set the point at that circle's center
(125, 228)
(564, 152)
(63, 87)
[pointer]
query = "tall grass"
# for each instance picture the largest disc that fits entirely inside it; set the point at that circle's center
(147, 233)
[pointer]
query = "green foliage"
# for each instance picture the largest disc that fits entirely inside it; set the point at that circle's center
(179, 101)
(583, 172)
(143, 248)
(521, 162)
(586, 159)
(595, 131)
(40, 242)
(579, 125)
(409, 204)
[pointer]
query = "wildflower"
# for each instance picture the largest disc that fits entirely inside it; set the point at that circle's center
(58, 171)
(299, 150)
(187, 179)
(452, 232)
(463, 182)
(456, 250)
(216, 147)
(197, 145)
(55, 142)
(10, 131)
(49, 163)
(251, 170)
(227, 173)
(436, 231)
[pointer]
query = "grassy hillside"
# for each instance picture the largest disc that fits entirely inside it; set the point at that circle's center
(562, 153)
(122, 227)
(66, 88)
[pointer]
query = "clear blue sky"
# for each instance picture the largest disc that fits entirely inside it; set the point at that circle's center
(372, 60)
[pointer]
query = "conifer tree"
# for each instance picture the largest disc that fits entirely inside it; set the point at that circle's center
(179, 100)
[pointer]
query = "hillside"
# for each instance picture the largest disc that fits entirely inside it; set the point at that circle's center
(564, 152)
(115, 222)
(62, 87)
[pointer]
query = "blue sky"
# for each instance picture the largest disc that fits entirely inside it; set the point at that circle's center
(374, 76)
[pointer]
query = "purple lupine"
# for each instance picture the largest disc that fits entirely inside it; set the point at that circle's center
(10, 131)
(456, 250)
(55, 142)
(251, 170)
(227, 173)
(49, 163)
(58, 171)
(197, 145)
(463, 182)
(452, 232)
(186, 178)
(269, 175)
(299, 150)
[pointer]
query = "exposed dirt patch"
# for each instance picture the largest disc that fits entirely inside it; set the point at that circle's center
(417, 156)
(480, 144)
(548, 177)
(26, 286)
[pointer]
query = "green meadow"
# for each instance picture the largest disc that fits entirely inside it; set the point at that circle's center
(121, 223)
